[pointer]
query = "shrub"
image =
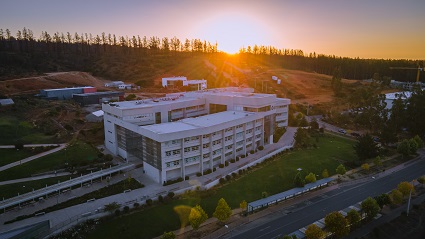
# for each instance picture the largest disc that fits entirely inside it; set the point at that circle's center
(208, 171)
(240, 172)
(186, 177)
(252, 151)
(199, 174)
(222, 180)
(221, 165)
(243, 156)
(261, 147)
(126, 209)
(226, 163)
(180, 179)
(170, 194)
(228, 177)
(214, 169)
(136, 205)
(117, 212)
(232, 160)
(160, 199)
(237, 159)
(149, 202)
(234, 175)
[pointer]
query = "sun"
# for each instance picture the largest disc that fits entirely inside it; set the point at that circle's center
(233, 31)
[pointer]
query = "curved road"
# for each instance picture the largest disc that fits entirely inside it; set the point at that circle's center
(302, 214)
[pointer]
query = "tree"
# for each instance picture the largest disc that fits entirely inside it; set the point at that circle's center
(413, 146)
(314, 125)
(111, 207)
(337, 224)
(353, 218)
(302, 139)
(382, 200)
(370, 207)
(396, 197)
(377, 161)
(168, 235)
(366, 148)
(325, 173)
(310, 178)
(243, 205)
(421, 180)
(222, 211)
(405, 188)
(404, 148)
(130, 97)
(314, 232)
(341, 170)
(419, 141)
(197, 216)
(365, 167)
(336, 81)
(299, 181)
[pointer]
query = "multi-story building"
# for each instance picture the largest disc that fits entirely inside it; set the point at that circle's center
(186, 133)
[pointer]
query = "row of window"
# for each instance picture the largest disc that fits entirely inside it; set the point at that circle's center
(193, 148)
(173, 152)
(172, 164)
(228, 138)
(191, 159)
(217, 142)
(193, 138)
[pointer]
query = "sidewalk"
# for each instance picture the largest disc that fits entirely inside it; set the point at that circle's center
(11, 165)
(34, 178)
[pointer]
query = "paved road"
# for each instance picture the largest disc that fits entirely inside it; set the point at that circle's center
(27, 146)
(304, 213)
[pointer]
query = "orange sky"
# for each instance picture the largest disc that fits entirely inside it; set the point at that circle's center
(360, 28)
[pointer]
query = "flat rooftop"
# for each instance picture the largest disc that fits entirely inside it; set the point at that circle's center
(196, 123)
(69, 88)
(101, 93)
(138, 104)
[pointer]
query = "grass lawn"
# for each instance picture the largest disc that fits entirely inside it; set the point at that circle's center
(12, 155)
(12, 190)
(77, 153)
(274, 177)
(13, 129)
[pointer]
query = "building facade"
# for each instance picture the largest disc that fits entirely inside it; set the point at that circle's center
(186, 133)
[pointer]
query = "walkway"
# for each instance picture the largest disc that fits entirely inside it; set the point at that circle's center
(28, 146)
(21, 180)
(11, 165)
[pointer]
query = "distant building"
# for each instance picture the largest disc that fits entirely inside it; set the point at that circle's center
(98, 97)
(8, 101)
(114, 84)
(125, 86)
(185, 133)
(96, 116)
(390, 97)
(193, 84)
(65, 93)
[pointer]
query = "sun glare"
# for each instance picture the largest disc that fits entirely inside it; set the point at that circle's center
(233, 31)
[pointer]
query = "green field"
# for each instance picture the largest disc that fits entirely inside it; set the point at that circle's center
(13, 129)
(12, 190)
(8, 156)
(78, 153)
(274, 177)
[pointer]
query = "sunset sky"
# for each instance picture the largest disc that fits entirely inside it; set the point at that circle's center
(353, 28)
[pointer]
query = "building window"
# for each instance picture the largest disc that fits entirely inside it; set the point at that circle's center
(205, 136)
(206, 145)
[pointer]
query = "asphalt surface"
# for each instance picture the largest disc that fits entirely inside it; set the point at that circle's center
(304, 213)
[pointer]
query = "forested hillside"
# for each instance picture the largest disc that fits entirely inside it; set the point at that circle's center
(143, 59)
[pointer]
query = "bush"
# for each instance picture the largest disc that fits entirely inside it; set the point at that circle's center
(252, 151)
(126, 209)
(221, 165)
(170, 195)
(222, 180)
(237, 159)
(19, 145)
(149, 202)
(199, 174)
(232, 160)
(226, 163)
(261, 147)
(214, 169)
(160, 199)
(136, 205)
(117, 212)
(243, 156)
(234, 175)
(240, 172)
(208, 171)
(186, 177)
(228, 177)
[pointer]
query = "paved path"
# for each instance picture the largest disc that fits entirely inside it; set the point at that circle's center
(28, 146)
(151, 190)
(11, 165)
(53, 175)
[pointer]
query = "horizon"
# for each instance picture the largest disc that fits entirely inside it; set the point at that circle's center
(382, 30)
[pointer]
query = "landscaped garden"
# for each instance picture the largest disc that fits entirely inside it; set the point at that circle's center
(272, 177)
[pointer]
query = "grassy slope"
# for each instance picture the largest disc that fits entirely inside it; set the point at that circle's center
(75, 154)
(13, 129)
(274, 177)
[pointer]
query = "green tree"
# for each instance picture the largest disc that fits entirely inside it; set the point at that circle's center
(341, 169)
(365, 147)
(396, 197)
(365, 167)
(404, 148)
(314, 232)
(370, 207)
(197, 216)
(413, 146)
(302, 138)
(353, 217)
(168, 235)
(377, 161)
(111, 207)
(325, 173)
(310, 178)
(419, 141)
(243, 205)
(383, 199)
(299, 181)
(405, 188)
(314, 125)
(222, 211)
(337, 224)
(130, 97)
(336, 82)
(421, 180)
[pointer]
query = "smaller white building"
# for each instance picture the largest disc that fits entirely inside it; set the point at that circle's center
(194, 84)
(125, 86)
(390, 97)
(114, 84)
(170, 80)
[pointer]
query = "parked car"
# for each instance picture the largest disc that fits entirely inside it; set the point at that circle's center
(376, 139)
(342, 131)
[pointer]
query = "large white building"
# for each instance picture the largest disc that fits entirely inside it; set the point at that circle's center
(186, 133)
